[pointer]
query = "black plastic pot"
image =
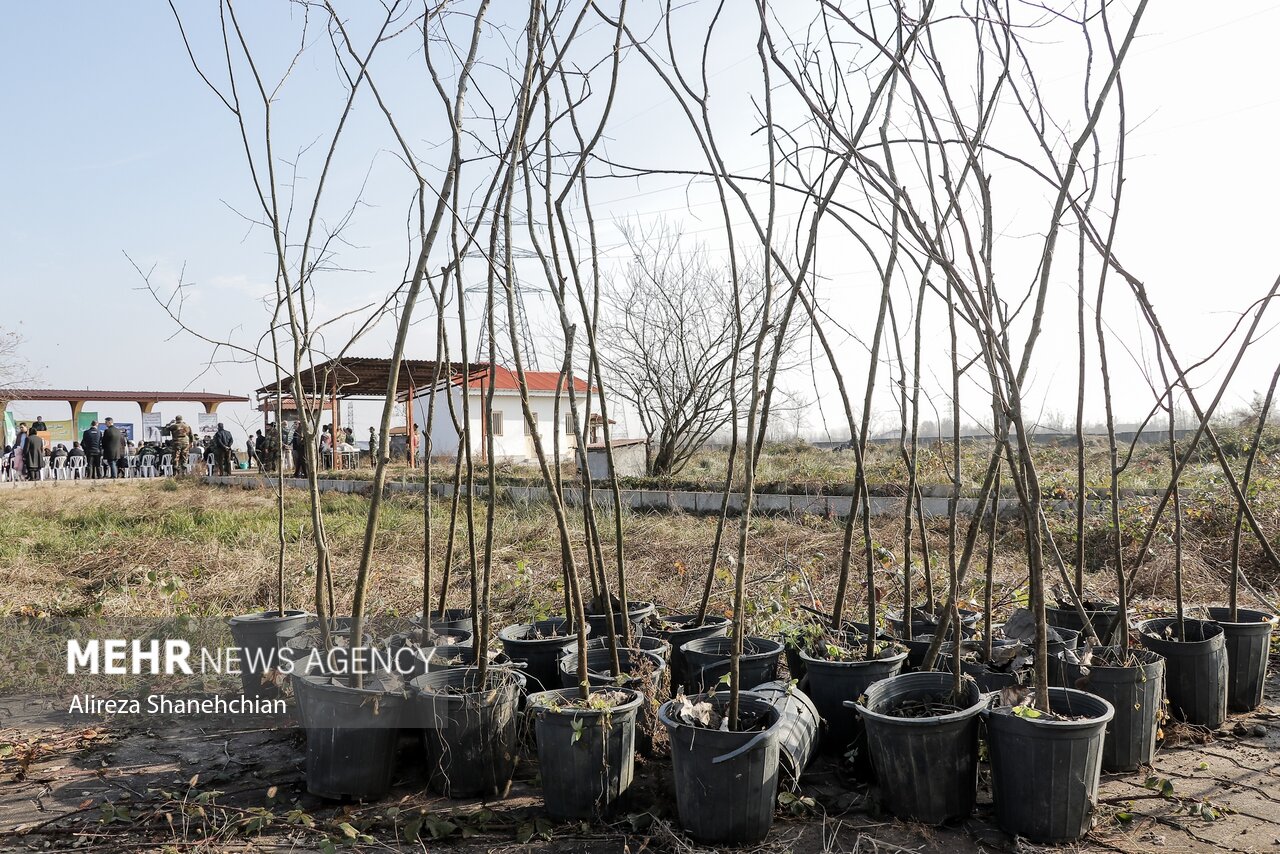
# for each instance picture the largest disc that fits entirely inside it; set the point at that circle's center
(1044, 773)
(726, 782)
(927, 767)
(832, 682)
(968, 619)
(469, 729)
(435, 658)
(1248, 641)
(539, 645)
(409, 654)
(311, 624)
(305, 655)
(795, 666)
(438, 637)
(708, 661)
(1067, 639)
(450, 618)
(586, 757)
(600, 669)
(988, 679)
(921, 637)
(678, 630)
(257, 636)
(637, 612)
(1195, 675)
(1103, 616)
(1135, 693)
(648, 643)
(297, 641)
(432, 658)
(351, 737)
(798, 727)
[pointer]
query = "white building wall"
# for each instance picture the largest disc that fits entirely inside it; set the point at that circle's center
(514, 444)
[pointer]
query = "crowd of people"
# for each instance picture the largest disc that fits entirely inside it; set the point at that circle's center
(274, 449)
(108, 453)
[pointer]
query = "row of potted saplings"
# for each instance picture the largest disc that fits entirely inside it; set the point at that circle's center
(907, 728)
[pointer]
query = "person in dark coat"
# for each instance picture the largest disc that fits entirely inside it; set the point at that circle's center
(299, 448)
(112, 448)
(223, 442)
(33, 455)
(91, 441)
(38, 426)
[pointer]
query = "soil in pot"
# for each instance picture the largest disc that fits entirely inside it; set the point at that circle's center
(679, 629)
(539, 646)
(1132, 681)
(469, 729)
(586, 749)
(1248, 642)
(351, 735)
(923, 743)
(257, 636)
(1045, 766)
(1195, 675)
(839, 670)
(726, 782)
(708, 660)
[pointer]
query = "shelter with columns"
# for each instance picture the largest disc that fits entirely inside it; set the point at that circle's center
(324, 386)
(78, 398)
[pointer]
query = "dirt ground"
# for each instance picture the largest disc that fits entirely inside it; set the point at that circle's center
(236, 784)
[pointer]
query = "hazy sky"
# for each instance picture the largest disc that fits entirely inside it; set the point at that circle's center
(114, 146)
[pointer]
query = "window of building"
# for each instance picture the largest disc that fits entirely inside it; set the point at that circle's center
(568, 423)
(495, 423)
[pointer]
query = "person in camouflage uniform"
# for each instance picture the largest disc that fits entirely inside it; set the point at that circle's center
(180, 432)
(273, 448)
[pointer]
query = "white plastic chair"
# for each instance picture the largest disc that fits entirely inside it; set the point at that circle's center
(146, 465)
(5, 471)
(77, 468)
(131, 465)
(166, 465)
(59, 468)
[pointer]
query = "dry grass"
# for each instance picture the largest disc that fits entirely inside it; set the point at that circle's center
(160, 548)
(798, 466)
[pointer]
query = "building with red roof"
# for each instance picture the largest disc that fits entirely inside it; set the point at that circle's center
(550, 398)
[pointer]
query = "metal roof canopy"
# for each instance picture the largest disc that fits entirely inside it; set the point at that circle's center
(77, 398)
(66, 395)
(362, 377)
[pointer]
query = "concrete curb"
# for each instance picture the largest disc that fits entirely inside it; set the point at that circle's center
(695, 503)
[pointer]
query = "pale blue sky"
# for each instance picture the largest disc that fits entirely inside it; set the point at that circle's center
(113, 145)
